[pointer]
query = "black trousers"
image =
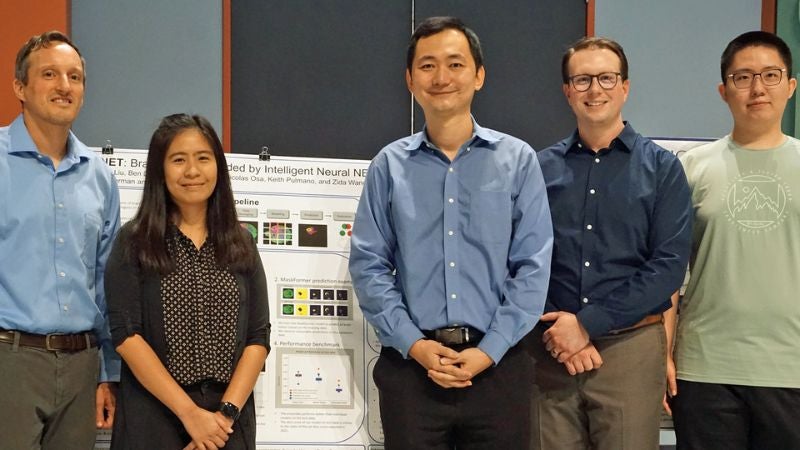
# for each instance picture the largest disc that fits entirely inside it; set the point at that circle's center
(710, 416)
(143, 422)
(493, 413)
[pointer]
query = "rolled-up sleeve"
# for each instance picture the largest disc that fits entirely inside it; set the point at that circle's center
(258, 325)
(123, 289)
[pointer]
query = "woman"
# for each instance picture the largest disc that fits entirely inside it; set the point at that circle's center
(187, 302)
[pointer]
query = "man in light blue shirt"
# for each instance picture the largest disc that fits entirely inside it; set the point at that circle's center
(59, 212)
(450, 259)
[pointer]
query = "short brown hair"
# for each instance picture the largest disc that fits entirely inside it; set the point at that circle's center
(37, 42)
(594, 43)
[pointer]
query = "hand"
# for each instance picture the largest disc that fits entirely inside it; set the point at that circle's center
(566, 337)
(588, 358)
(105, 401)
(225, 422)
(208, 430)
(471, 360)
(672, 384)
(431, 355)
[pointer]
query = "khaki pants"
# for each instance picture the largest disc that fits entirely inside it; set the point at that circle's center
(47, 399)
(616, 407)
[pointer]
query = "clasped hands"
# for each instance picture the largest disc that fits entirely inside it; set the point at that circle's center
(568, 342)
(447, 367)
(208, 430)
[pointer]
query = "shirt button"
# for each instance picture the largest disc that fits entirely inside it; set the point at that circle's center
(61, 240)
(589, 227)
(62, 274)
(587, 264)
(450, 200)
(450, 169)
(585, 300)
(60, 205)
(468, 148)
(450, 233)
(580, 145)
(592, 191)
(66, 308)
(452, 264)
(453, 296)
(597, 160)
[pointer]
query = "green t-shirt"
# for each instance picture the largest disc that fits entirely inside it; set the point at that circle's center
(739, 320)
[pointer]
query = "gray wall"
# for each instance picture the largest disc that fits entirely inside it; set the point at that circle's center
(673, 49)
(146, 59)
(150, 58)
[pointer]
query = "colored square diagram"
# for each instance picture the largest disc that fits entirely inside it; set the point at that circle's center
(278, 233)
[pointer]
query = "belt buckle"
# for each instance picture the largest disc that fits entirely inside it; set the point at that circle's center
(450, 335)
(47, 342)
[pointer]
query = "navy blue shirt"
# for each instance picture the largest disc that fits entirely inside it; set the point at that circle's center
(621, 229)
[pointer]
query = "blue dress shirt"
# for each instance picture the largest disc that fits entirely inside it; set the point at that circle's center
(440, 243)
(622, 227)
(56, 231)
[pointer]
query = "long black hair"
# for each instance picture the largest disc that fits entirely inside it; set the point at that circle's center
(233, 247)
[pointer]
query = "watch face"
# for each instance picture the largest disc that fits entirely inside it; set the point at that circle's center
(229, 410)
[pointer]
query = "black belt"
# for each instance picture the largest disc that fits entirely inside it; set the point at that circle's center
(52, 342)
(454, 335)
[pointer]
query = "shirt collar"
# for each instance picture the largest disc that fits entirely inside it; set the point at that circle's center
(20, 141)
(624, 141)
(418, 140)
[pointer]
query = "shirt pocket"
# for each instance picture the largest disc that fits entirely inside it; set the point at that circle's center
(92, 227)
(490, 217)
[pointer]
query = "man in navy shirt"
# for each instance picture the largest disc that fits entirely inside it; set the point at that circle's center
(450, 258)
(621, 222)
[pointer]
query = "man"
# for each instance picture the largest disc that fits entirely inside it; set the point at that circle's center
(59, 212)
(738, 337)
(450, 257)
(621, 219)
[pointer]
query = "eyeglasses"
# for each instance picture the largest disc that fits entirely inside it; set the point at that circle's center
(770, 77)
(606, 80)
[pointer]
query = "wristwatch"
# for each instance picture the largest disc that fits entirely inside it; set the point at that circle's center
(229, 410)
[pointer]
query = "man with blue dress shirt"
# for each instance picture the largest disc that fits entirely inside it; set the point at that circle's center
(59, 212)
(621, 214)
(450, 258)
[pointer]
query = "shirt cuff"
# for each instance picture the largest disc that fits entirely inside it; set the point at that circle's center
(110, 365)
(494, 345)
(404, 337)
(595, 321)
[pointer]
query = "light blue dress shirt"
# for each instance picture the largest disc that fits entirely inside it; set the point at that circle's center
(56, 231)
(440, 243)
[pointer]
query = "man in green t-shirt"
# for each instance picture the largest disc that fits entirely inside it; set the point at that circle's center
(738, 341)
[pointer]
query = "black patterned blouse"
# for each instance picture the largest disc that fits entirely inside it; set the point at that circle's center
(201, 308)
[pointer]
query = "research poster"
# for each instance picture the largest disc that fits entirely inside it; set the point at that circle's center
(316, 392)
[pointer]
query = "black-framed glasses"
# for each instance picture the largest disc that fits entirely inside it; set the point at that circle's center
(606, 80)
(744, 79)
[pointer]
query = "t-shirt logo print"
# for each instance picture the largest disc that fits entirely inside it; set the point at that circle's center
(757, 201)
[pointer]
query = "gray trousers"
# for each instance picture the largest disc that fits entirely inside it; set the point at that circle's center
(48, 398)
(615, 407)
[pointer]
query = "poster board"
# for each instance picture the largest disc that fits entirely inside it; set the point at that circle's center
(315, 393)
